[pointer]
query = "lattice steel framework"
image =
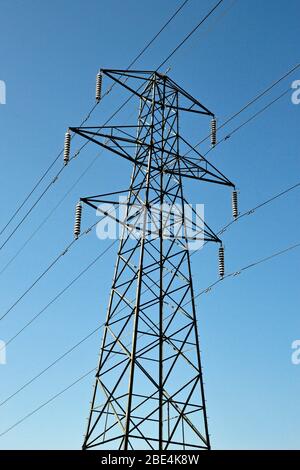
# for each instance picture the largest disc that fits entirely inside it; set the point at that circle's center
(149, 390)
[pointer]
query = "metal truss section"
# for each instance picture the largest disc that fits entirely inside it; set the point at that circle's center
(149, 391)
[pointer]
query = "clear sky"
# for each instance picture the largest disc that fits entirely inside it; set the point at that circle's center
(50, 53)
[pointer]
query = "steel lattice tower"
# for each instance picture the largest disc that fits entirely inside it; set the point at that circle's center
(149, 390)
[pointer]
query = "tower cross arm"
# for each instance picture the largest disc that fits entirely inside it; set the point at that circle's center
(198, 169)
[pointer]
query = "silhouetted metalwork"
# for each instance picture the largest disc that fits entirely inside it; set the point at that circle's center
(149, 391)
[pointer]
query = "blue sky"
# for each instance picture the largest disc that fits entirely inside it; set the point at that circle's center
(50, 53)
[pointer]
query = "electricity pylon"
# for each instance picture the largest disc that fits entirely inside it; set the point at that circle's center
(149, 391)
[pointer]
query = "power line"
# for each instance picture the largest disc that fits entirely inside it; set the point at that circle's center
(250, 103)
(125, 102)
(42, 177)
(233, 274)
(248, 212)
(222, 230)
(239, 127)
(191, 33)
(49, 267)
(29, 382)
(244, 268)
(120, 107)
(65, 289)
(169, 56)
(267, 201)
(158, 67)
(251, 118)
(247, 267)
(107, 121)
(46, 218)
(267, 258)
(86, 143)
(94, 160)
(222, 140)
(157, 34)
(260, 95)
(31, 209)
(75, 346)
(40, 180)
(47, 402)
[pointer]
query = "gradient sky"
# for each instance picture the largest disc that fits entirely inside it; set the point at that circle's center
(50, 53)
